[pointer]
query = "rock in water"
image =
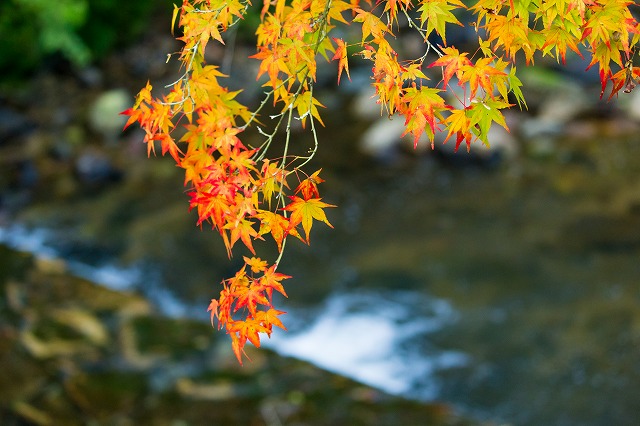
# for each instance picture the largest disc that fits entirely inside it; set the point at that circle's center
(104, 114)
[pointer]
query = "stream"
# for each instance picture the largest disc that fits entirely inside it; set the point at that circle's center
(510, 293)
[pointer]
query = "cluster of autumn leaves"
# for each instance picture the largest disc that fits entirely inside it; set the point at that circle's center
(244, 192)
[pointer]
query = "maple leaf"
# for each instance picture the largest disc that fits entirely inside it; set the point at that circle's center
(603, 56)
(309, 186)
(482, 114)
(304, 211)
(195, 163)
(559, 37)
(250, 297)
(335, 11)
(392, 6)
(137, 111)
(213, 308)
(270, 281)
(225, 301)
(240, 160)
(275, 224)
(241, 331)
(423, 107)
(211, 207)
(341, 55)
(510, 33)
(239, 281)
(244, 231)
(211, 31)
(452, 61)
(371, 25)
(237, 346)
(169, 145)
(249, 329)
(270, 318)
(306, 104)
(459, 123)
(481, 74)
(437, 14)
(413, 72)
(273, 63)
(273, 179)
(514, 87)
(256, 264)
(206, 79)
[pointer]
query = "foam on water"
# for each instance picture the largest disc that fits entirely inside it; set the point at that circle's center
(36, 241)
(377, 339)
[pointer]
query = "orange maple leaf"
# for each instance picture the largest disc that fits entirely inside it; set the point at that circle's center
(277, 225)
(459, 123)
(423, 108)
(452, 61)
(244, 231)
(341, 55)
(480, 74)
(270, 318)
(371, 25)
(256, 264)
(250, 297)
(309, 186)
(241, 331)
(271, 281)
(213, 308)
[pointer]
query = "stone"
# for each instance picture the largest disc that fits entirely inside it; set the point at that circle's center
(104, 113)
(566, 104)
(12, 125)
(220, 391)
(631, 104)
(94, 167)
(84, 322)
(364, 104)
(503, 147)
(51, 348)
(32, 414)
(382, 139)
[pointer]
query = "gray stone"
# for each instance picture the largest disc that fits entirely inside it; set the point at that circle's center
(382, 139)
(630, 104)
(502, 147)
(12, 125)
(364, 104)
(104, 114)
(95, 167)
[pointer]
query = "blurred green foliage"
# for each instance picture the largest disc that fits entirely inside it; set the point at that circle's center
(79, 30)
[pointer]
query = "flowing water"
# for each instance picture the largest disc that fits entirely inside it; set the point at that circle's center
(511, 293)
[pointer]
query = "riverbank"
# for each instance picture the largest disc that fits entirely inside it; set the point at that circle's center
(74, 352)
